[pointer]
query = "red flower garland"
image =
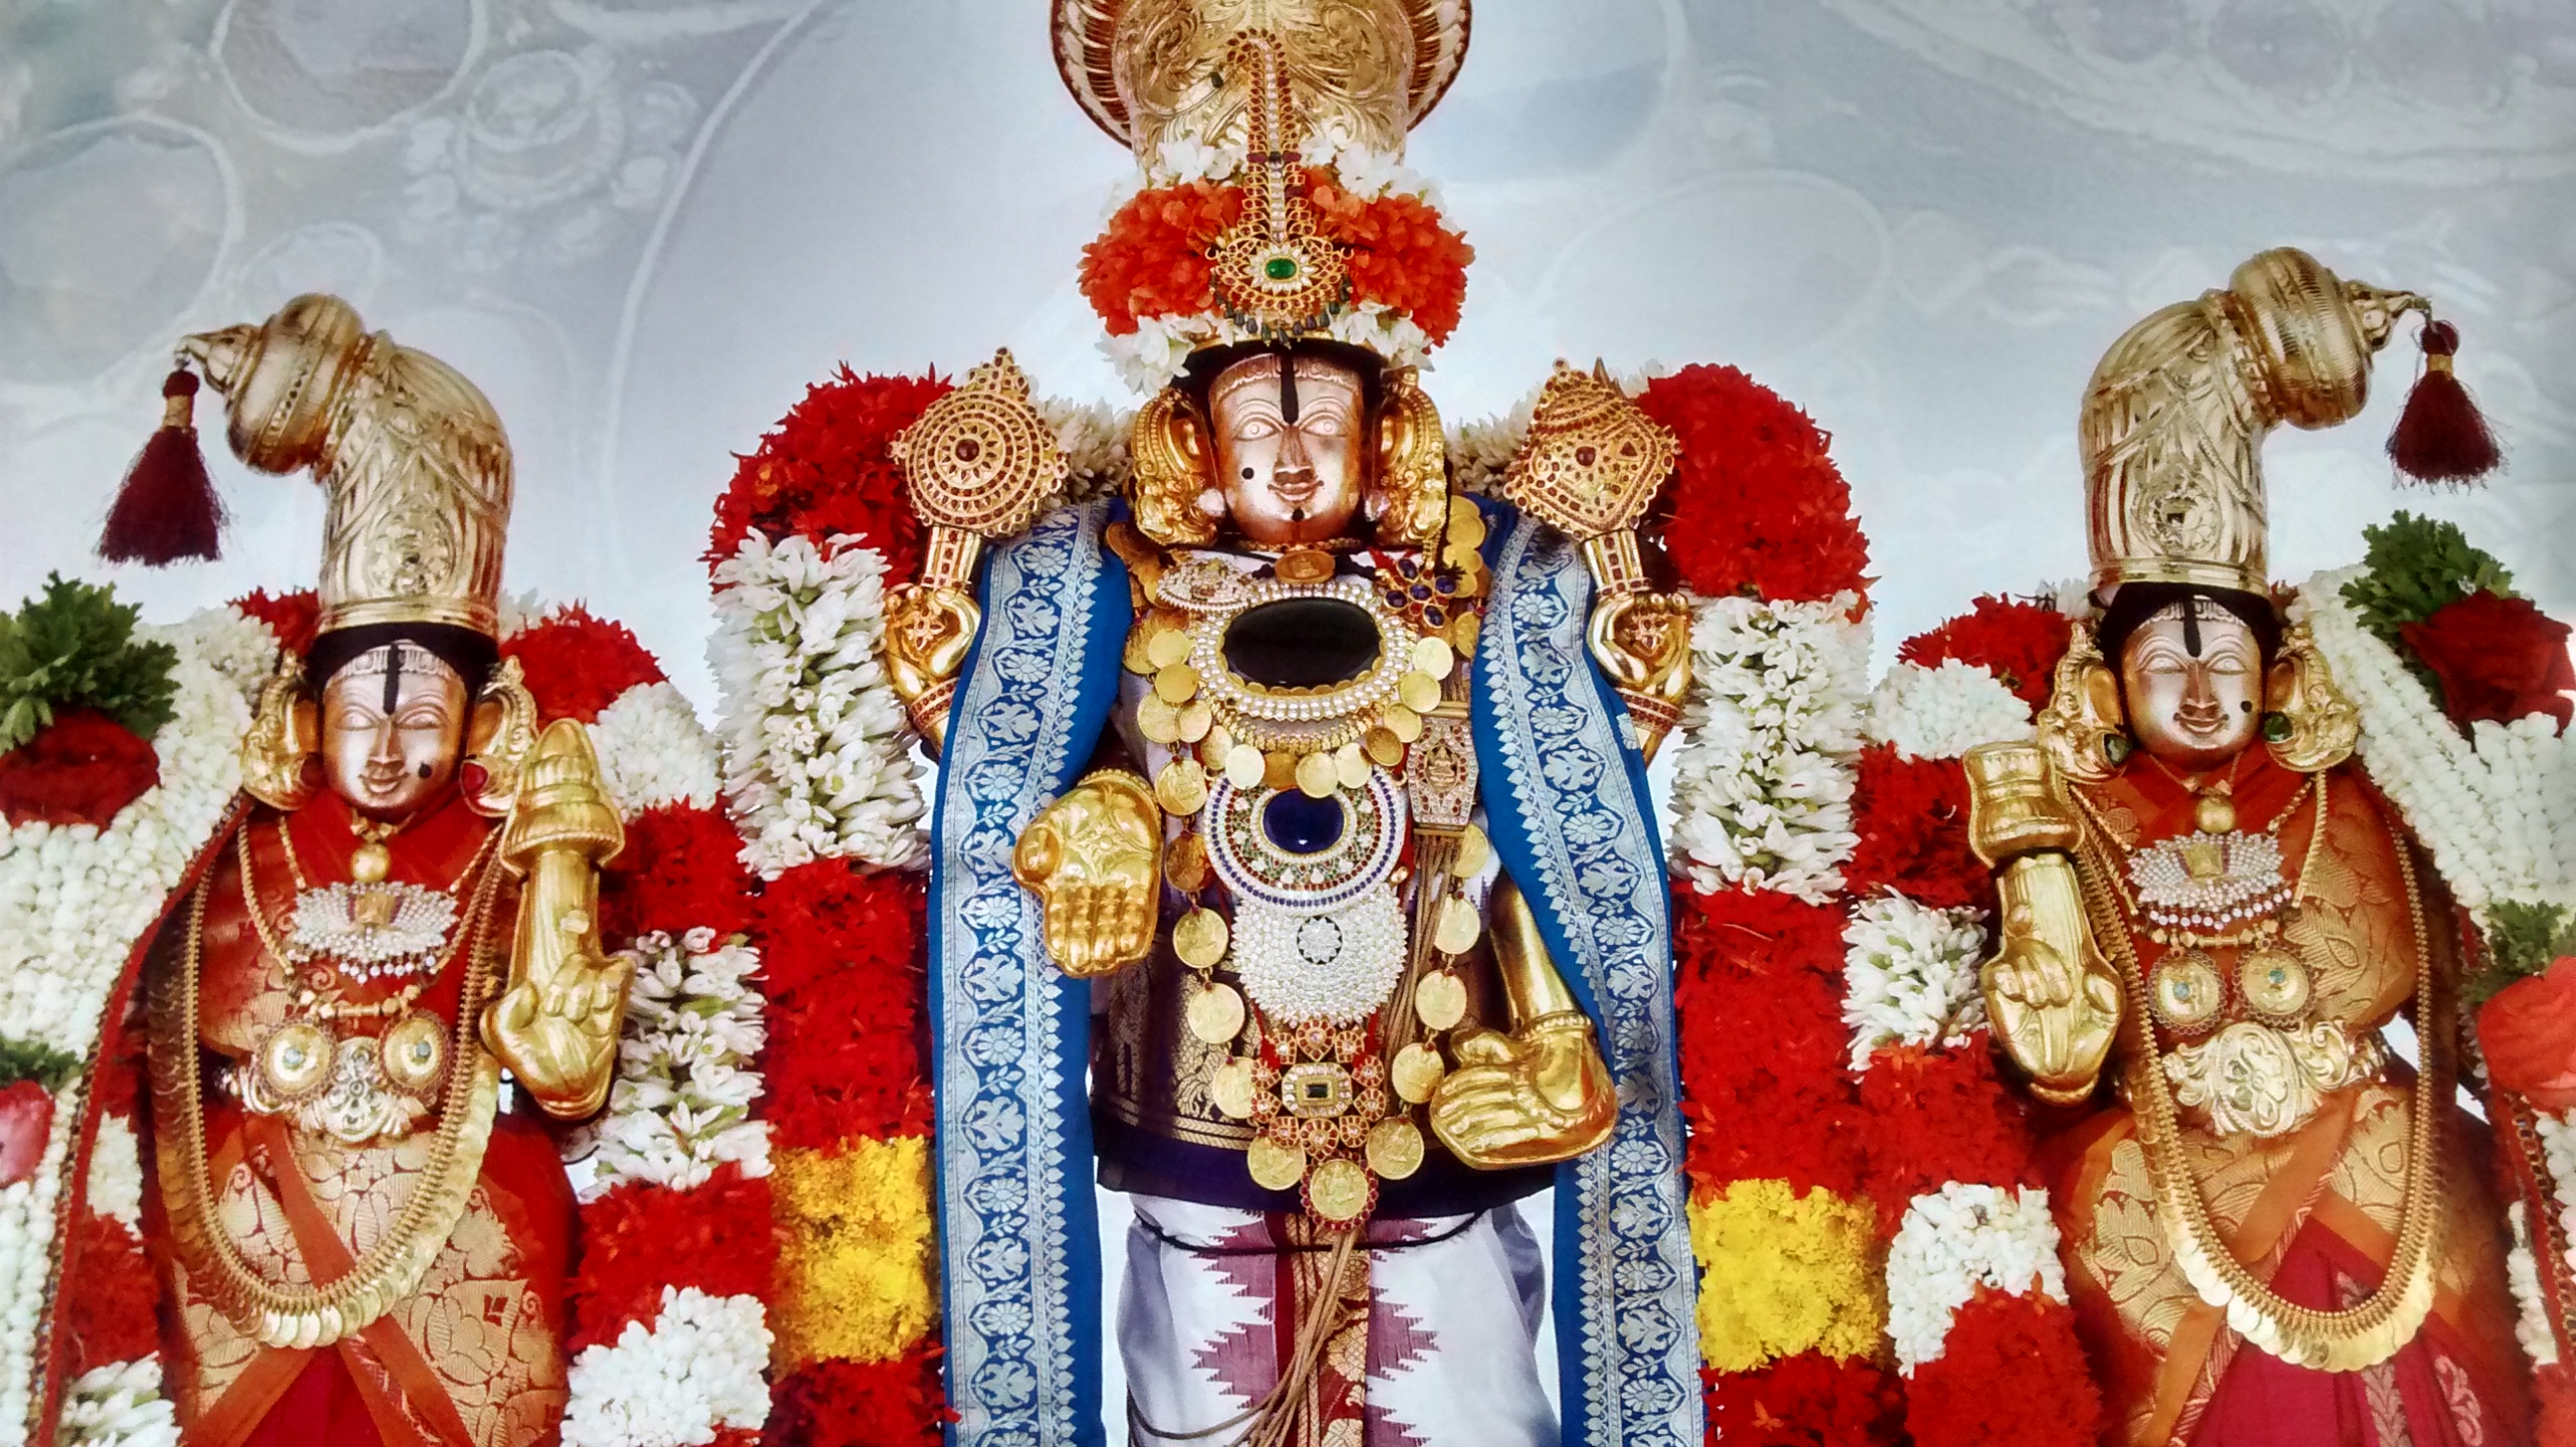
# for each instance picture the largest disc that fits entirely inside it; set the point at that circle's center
(1912, 817)
(640, 1237)
(1935, 1116)
(1808, 1400)
(2029, 1342)
(898, 1403)
(111, 1317)
(1762, 966)
(680, 871)
(1399, 253)
(843, 970)
(82, 768)
(2498, 658)
(293, 617)
(1756, 506)
(577, 664)
(828, 469)
(2017, 641)
(1153, 259)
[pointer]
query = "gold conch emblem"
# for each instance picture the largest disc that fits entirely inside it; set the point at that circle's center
(1593, 460)
(981, 459)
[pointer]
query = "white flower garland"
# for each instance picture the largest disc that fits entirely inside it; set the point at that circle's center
(73, 900)
(685, 1082)
(1762, 785)
(1094, 437)
(118, 1406)
(1482, 449)
(115, 1188)
(1149, 357)
(653, 751)
(1910, 973)
(1941, 713)
(2522, 1276)
(695, 1371)
(1954, 1240)
(816, 742)
(2497, 807)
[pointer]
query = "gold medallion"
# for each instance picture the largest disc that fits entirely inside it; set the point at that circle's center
(1441, 1000)
(1466, 524)
(1275, 1166)
(295, 1060)
(1431, 657)
(1420, 692)
(1195, 719)
(1185, 863)
(1279, 770)
(1132, 657)
(1383, 747)
(1178, 683)
(1230, 1087)
(1394, 1148)
(1462, 633)
(1304, 565)
(2274, 982)
(1182, 787)
(1403, 722)
(1218, 746)
(1158, 721)
(2185, 992)
(1216, 1013)
(1416, 1072)
(1338, 1191)
(1457, 929)
(1317, 777)
(1350, 766)
(1245, 767)
(1474, 852)
(413, 1052)
(1200, 939)
(1168, 647)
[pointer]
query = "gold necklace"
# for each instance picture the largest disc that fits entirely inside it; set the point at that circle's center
(390, 1270)
(2340, 1341)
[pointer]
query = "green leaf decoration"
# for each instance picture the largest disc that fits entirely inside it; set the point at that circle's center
(2416, 567)
(2522, 940)
(74, 647)
(36, 1061)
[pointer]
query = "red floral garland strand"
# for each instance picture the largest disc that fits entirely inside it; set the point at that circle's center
(1756, 506)
(828, 470)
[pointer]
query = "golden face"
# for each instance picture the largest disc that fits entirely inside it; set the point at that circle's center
(1289, 469)
(2193, 710)
(392, 735)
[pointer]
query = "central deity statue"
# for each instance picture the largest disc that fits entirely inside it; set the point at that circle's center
(1296, 809)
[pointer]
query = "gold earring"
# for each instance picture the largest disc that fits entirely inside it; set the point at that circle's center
(1170, 452)
(2308, 724)
(281, 756)
(1413, 466)
(2082, 731)
(498, 740)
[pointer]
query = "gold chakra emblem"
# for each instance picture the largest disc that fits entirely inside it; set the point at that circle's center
(981, 459)
(1339, 1191)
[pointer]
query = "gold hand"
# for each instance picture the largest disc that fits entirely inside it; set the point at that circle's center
(1533, 1097)
(1642, 642)
(556, 1026)
(929, 630)
(1094, 858)
(2055, 1005)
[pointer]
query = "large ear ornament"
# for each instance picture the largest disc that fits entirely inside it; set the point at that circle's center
(2308, 724)
(1170, 452)
(498, 740)
(1412, 465)
(281, 756)
(2082, 730)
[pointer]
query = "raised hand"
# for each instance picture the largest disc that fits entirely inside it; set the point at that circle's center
(1094, 858)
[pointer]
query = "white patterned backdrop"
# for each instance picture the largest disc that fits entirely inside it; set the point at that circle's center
(644, 225)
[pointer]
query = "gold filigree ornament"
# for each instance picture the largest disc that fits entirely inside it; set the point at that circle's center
(1593, 460)
(2308, 723)
(2259, 1083)
(287, 1314)
(1169, 453)
(499, 739)
(281, 756)
(2082, 732)
(1412, 465)
(981, 459)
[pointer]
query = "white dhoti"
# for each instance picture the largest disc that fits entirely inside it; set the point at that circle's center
(1438, 1348)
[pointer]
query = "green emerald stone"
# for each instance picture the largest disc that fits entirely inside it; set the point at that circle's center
(1280, 268)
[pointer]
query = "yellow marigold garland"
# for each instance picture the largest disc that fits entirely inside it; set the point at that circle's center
(1783, 1273)
(856, 1266)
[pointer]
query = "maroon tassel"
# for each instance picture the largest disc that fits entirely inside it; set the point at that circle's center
(167, 509)
(2441, 436)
